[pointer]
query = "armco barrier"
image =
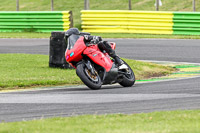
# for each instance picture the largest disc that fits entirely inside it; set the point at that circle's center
(120, 21)
(150, 22)
(35, 21)
(187, 23)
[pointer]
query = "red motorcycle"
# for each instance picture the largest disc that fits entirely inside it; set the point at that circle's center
(94, 67)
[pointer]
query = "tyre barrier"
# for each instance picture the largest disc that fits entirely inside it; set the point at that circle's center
(35, 21)
(57, 47)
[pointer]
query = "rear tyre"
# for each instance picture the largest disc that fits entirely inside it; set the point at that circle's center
(128, 79)
(93, 81)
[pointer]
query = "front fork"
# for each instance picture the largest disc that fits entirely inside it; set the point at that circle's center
(101, 72)
(89, 67)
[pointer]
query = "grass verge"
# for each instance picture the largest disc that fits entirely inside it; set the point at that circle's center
(27, 70)
(156, 122)
(103, 35)
(24, 35)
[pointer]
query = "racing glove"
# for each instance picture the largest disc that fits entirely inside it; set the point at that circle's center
(92, 39)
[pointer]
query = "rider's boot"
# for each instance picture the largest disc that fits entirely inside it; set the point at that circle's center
(106, 46)
(120, 63)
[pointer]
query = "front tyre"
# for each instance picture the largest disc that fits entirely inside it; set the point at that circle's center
(128, 79)
(93, 81)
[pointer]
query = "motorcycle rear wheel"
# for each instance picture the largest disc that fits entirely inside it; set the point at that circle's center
(128, 78)
(93, 81)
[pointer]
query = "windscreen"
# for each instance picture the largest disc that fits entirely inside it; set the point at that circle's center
(72, 40)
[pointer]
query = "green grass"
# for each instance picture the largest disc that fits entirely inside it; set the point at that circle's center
(105, 35)
(77, 5)
(157, 122)
(26, 70)
(24, 35)
(124, 35)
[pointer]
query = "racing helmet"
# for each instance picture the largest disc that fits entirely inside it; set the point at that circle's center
(72, 31)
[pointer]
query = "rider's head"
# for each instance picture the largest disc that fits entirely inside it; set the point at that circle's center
(72, 31)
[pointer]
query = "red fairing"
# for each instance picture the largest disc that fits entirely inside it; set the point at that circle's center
(92, 51)
(98, 57)
(74, 54)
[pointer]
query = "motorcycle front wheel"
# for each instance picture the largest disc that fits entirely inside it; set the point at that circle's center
(128, 77)
(93, 81)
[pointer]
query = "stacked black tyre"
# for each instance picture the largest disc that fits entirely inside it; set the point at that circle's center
(58, 45)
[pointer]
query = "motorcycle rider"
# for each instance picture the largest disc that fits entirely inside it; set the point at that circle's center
(103, 46)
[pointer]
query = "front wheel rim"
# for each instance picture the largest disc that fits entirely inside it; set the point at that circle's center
(92, 77)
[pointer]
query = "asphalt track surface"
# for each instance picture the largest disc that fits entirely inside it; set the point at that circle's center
(181, 94)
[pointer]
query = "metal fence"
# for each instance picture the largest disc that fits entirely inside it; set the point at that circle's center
(158, 3)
